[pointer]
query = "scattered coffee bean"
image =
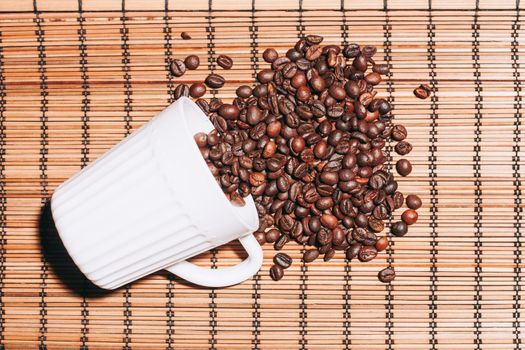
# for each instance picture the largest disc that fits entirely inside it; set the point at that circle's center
(386, 275)
(181, 90)
(270, 55)
(399, 132)
(192, 62)
(276, 272)
(403, 148)
(283, 260)
(413, 201)
(185, 36)
(214, 81)
(310, 255)
(423, 91)
(399, 228)
(409, 216)
(225, 61)
(177, 68)
(197, 90)
(381, 244)
(403, 167)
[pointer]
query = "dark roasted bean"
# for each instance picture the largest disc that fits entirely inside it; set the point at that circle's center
(177, 68)
(413, 201)
(276, 272)
(403, 167)
(192, 62)
(399, 228)
(214, 81)
(197, 90)
(386, 275)
(185, 36)
(283, 260)
(225, 61)
(310, 255)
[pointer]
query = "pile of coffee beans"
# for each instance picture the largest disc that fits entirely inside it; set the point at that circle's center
(307, 142)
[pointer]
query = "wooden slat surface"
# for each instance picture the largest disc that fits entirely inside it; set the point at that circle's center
(75, 77)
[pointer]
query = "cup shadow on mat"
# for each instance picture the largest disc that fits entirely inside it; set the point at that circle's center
(60, 260)
(69, 274)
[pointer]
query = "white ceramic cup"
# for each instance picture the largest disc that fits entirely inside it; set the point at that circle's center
(150, 203)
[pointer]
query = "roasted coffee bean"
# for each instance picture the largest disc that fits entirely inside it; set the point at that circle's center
(197, 90)
(310, 255)
(399, 228)
(201, 139)
(338, 236)
(351, 50)
(399, 132)
(225, 61)
(214, 81)
(181, 90)
(369, 51)
(272, 235)
(329, 255)
(177, 68)
(360, 63)
(375, 225)
(185, 36)
(367, 253)
(260, 237)
(244, 91)
(192, 62)
(413, 201)
(423, 91)
(386, 275)
(403, 148)
(403, 167)
(381, 243)
(409, 216)
(270, 55)
(265, 76)
(283, 260)
(276, 272)
(281, 242)
(229, 111)
(364, 236)
(382, 69)
(398, 199)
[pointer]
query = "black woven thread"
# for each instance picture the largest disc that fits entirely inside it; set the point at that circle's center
(42, 338)
(347, 313)
(170, 313)
(127, 120)
(478, 208)
(387, 44)
(256, 279)
(84, 156)
(518, 210)
(3, 195)
(433, 182)
(303, 323)
(210, 30)
(167, 51)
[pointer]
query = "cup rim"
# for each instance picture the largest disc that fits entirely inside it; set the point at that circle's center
(185, 102)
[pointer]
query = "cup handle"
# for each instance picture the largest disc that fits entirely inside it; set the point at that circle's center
(226, 276)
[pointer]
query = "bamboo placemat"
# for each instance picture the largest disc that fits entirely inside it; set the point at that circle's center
(76, 77)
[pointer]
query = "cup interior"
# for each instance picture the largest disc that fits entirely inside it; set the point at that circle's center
(196, 121)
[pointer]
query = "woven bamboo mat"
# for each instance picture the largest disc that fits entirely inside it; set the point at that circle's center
(76, 77)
